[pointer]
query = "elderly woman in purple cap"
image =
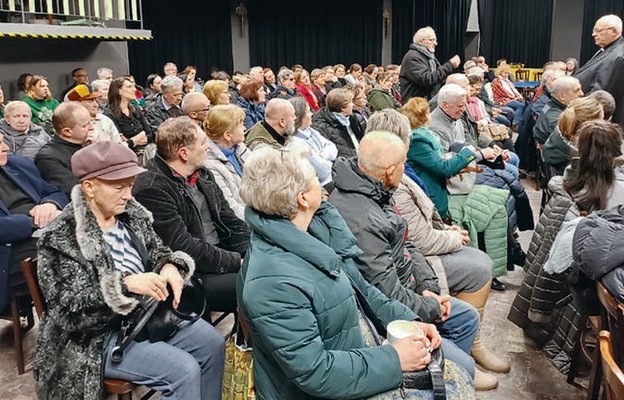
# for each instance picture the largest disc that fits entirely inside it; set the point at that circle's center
(96, 261)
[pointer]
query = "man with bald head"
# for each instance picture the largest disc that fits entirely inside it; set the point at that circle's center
(605, 70)
(278, 125)
(564, 90)
(196, 105)
(363, 196)
(421, 73)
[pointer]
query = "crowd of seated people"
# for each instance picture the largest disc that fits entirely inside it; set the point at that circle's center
(313, 202)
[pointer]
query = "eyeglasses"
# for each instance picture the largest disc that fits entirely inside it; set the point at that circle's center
(601, 29)
(203, 109)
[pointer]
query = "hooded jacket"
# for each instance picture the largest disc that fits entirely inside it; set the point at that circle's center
(300, 293)
(390, 261)
(27, 143)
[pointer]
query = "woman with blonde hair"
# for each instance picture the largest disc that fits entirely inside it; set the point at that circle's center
(561, 145)
(505, 93)
(217, 92)
(41, 103)
(227, 152)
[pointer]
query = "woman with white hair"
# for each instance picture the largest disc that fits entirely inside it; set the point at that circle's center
(22, 136)
(314, 319)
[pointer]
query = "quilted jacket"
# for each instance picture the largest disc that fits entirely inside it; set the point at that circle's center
(484, 210)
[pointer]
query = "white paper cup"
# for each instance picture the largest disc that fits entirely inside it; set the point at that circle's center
(401, 329)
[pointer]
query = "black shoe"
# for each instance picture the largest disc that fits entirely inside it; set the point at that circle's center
(498, 285)
(517, 257)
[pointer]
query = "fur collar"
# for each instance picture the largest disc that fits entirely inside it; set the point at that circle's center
(90, 245)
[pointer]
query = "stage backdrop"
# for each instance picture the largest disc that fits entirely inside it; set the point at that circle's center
(518, 30)
(449, 18)
(314, 33)
(191, 32)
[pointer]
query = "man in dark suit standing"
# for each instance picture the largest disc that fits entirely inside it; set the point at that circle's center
(605, 70)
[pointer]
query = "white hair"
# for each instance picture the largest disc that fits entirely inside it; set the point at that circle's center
(380, 150)
(475, 71)
(254, 70)
(15, 106)
(390, 120)
(283, 74)
(450, 93)
(551, 75)
(273, 178)
(103, 70)
(423, 33)
(563, 85)
(171, 82)
(100, 84)
(612, 21)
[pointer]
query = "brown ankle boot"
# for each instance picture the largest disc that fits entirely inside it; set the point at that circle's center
(480, 353)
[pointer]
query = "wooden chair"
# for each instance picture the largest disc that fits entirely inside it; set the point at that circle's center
(613, 375)
(15, 315)
(538, 76)
(123, 389)
(523, 75)
(612, 319)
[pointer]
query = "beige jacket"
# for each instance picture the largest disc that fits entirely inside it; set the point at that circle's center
(425, 227)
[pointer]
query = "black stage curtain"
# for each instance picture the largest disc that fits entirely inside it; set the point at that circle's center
(191, 32)
(595, 9)
(519, 31)
(449, 18)
(314, 34)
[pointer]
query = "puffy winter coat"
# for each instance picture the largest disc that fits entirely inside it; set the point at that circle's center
(380, 99)
(300, 292)
(225, 176)
(598, 250)
(27, 143)
(84, 298)
(326, 123)
(424, 226)
(484, 210)
(425, 157)
(390, 261)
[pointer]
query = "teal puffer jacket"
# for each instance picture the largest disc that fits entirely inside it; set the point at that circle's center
(298, 291)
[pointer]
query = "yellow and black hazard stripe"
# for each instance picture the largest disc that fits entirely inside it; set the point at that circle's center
(72, 36)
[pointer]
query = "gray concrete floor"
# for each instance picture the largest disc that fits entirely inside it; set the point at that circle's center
(532, 377)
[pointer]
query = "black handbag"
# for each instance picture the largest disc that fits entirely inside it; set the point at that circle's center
(156, 321)
(429, 378)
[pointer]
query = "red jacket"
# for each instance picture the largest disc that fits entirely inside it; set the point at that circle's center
(309, 97)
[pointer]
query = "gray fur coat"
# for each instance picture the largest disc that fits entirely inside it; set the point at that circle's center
(83, 295)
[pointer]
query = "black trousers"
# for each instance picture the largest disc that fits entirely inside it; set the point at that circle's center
(19, 251)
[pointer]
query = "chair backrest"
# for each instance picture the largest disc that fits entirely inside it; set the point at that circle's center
(612, 319)
(612, 374)
(29, 267)
(522, 74)
(538, 76)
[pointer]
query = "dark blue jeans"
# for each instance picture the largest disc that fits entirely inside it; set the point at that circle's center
(518, 107)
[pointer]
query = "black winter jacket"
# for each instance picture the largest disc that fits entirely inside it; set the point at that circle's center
(326, 123)
(599, 251)
(177, 218)
(417, 78)
(53, 163)
(390, 261)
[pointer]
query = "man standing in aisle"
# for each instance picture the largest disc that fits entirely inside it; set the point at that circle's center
(422, 75)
